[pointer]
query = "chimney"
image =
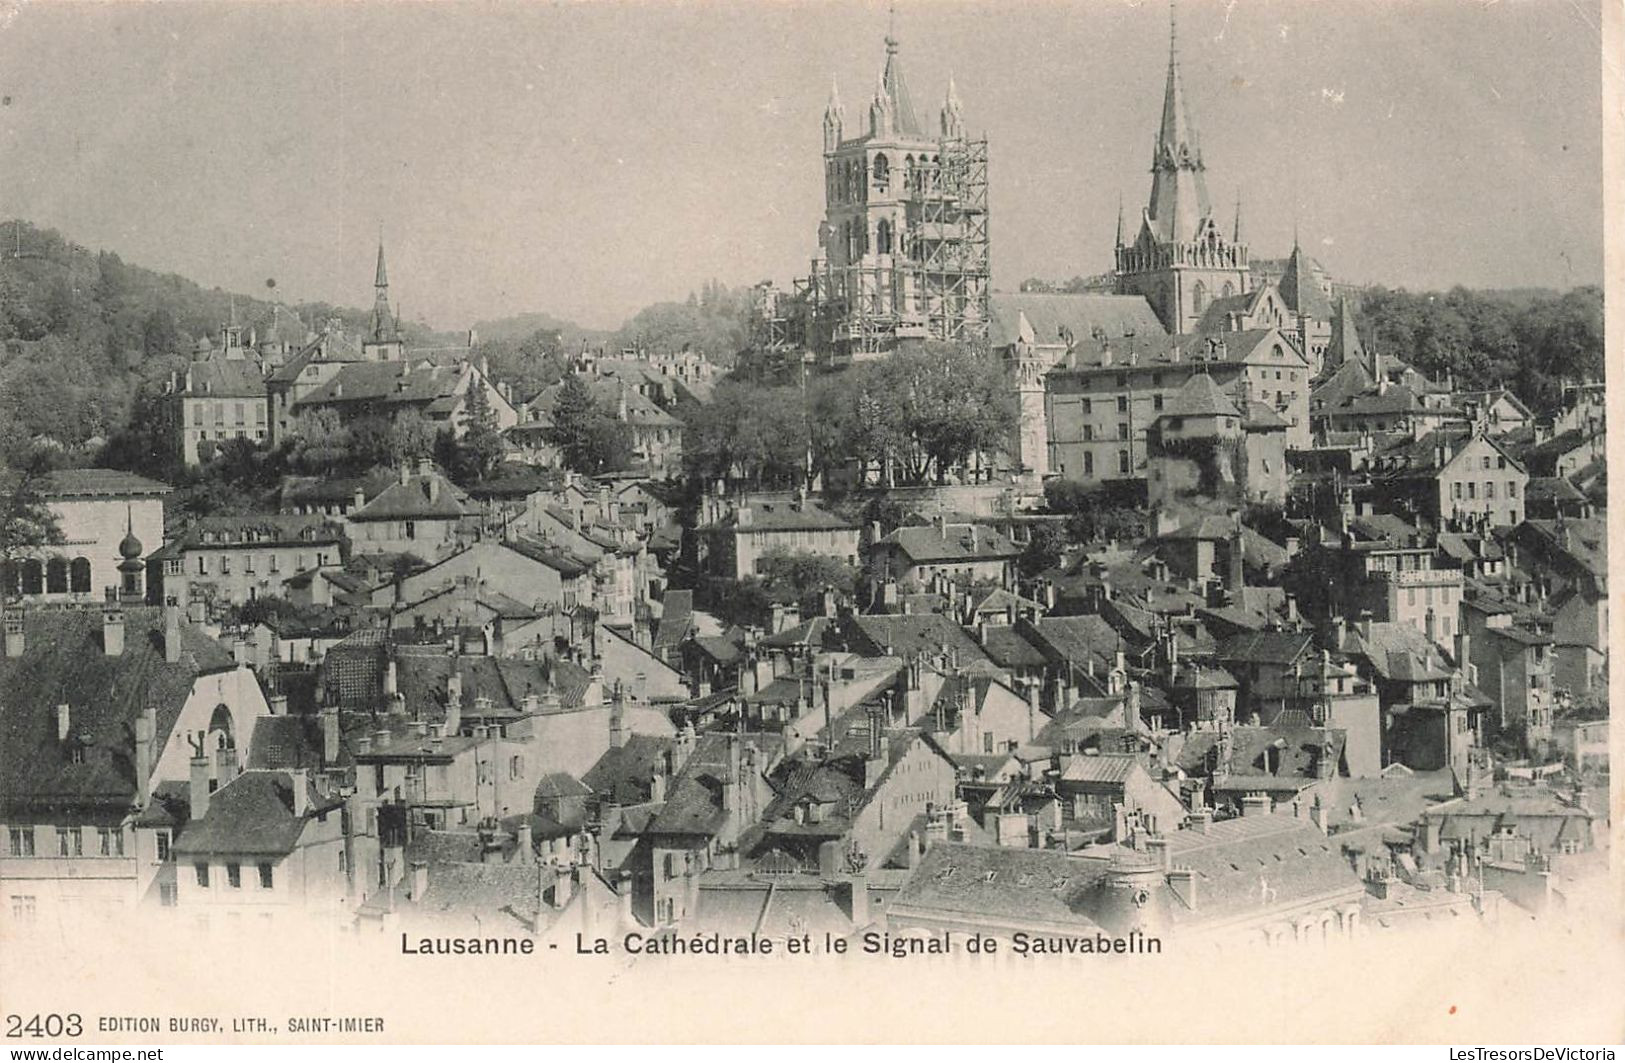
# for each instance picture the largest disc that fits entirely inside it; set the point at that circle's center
(64, 722)
(857, 887)
(225, 765)
(301, 792)
(1365, 624)
(454, 701)
(278, 704)
(359, 500)
(112, 626)
(199, 789)
(146, 731)
(14, 633)
(1255, 804)
(1157, 846)
(1201, 820)
(617, 718)
(524, 846)
(1182, 881)
(172, 632)
(330, 736)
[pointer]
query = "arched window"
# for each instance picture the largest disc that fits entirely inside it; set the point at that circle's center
(79, 575)
(222, 731)
(1229, 289)
(1199, 297)
(56, 576)
(33, 577)
(911, 176)
(882, 171)
(883, 237)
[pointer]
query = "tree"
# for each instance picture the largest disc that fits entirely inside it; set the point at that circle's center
(323, 442)
(26, 520)
(801, 575)
(479, 450)
(589, 439)
(411, 436)
(1044, 550)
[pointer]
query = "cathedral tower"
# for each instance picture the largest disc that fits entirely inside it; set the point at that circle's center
(1180, 260)
(903, 244)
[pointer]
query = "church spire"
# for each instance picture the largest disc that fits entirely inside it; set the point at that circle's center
(1179, 200)
(1119, 219)
(1236, 235)
(953, 113)
(834, 117)
(383, 319)
(905, 122)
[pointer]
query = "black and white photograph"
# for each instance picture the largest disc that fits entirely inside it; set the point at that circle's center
(762, 521)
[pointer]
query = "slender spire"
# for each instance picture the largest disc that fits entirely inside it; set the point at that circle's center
(1119, 219)
(895, 88)
(953, 113)
(383, 320)
(1179, 201)
(1236, 236)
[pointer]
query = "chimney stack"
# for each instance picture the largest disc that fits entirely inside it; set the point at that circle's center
(225, 765)
(146, 728)
(330, 736)
(524, 849)
(301, 792)
(199, 788)
(112, 625)
(172, 632)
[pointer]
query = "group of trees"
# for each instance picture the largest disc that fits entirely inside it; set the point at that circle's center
(714, 321)
(590, 438)
(783, 578)
(910, 417)
(1528, 341)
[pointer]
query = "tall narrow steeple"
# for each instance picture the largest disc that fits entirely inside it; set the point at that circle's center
(904, 120)
(1119, 219)
(383, 320)
(953, 113)
(1179, 200)
(1236, 235)
(834, 117)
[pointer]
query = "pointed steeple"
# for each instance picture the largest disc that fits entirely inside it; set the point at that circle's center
(1345, 342)
(1179, 200)
(1119, 219)
(904, 120)
(953, 113)
(383, 320)
(834, 117)
(1298, 287)
(1236, 236)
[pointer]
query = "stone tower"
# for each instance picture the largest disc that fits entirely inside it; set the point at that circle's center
(1180, 260)
(903, 243)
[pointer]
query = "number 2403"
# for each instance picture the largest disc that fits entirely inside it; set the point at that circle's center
(44, 1025)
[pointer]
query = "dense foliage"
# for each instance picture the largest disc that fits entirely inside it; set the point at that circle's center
(910, 417)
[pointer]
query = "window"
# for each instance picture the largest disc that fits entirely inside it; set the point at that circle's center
(1122, 404)
(1088, 433)
(22, 907)
(1087, 408)
(1512, 489)
(202, 875)
(79, 575)
(234, 876)
(1455, 490)
(266, 876)
(70, 841)
(162, 838)
(202, 565)
(1122, 429)
(1088, 463)
(1486, 461)
(110, 841)
(225, 565)
(1501, 462)
(1156, 402)
(1472, 490)
(1123, 462)
(20, 841)
(1489, 488)
(248, 564)
(411, 529)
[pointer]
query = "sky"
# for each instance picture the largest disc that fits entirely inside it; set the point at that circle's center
(587, 159)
